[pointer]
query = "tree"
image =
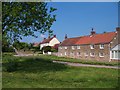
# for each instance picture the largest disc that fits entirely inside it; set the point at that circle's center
(25, 18)
(46, 49)
(21, 45)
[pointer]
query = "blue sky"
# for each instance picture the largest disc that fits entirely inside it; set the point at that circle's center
(77, 18)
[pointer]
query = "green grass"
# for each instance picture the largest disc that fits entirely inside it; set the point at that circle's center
(65, 59)
(41, 72)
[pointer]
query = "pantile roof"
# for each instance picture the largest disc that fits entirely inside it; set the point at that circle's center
(90, 39)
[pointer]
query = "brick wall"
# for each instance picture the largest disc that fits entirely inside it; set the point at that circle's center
(75, 52)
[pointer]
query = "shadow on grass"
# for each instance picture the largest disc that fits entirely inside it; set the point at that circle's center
(36, 65)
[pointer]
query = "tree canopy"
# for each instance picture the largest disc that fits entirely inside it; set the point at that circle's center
(25, 18)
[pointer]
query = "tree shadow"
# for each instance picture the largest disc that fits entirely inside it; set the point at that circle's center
(37, 65)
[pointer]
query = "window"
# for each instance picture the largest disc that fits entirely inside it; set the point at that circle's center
(119, 54)
(65, 47)
(65, 53)
(101, 54)
(92, 54)
(116, 54)
(73, 47)
(78, 47)
(92, 46)
(72, 53)
(86, 54)
(102, 46)
(78, 53)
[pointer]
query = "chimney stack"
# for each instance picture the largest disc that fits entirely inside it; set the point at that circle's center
(65, 36)
(48, 36)
(93, 32)
(54, 35)
(44, 38)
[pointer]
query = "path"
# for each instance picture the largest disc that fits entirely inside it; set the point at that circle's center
(86, 65)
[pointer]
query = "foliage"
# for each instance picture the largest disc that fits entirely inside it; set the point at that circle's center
(46, 49)
(54, 50)
(6, 47)
(37, 72)
(21, 45)
(25, 18)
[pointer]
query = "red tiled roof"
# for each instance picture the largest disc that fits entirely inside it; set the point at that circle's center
(35, 44)
(56, 46)
(69, 41)
(91, 39)
(46, 40)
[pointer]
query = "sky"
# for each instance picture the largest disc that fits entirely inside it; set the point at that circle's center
(78, 18)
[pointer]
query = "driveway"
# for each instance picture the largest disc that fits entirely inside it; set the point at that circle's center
(86, 65)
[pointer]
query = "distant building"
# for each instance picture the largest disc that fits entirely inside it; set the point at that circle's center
(36, 44)
(101, 47)
(50, 41)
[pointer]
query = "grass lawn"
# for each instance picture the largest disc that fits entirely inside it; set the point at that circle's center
(41, 72)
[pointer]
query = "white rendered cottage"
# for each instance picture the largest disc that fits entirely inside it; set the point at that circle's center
(49, 42)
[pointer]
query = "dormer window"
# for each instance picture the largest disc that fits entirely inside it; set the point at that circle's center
(73, 47)
(78, 47)
(92, 46)
(102, 46)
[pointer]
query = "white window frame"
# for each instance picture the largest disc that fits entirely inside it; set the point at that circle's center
(65, 53)
(78, 47)
(101, 55)
(65, 47)
(101, 46)
(92, 46)
(92, 55)
(73, 47)
(113, 53)
(78, 53)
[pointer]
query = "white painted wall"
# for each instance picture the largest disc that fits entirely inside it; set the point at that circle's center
(53, 42)
(42, 45)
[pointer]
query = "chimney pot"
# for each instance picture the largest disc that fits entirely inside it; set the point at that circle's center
(93, 32)
(66, 36)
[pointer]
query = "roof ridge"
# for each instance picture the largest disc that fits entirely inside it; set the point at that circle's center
(90, 35)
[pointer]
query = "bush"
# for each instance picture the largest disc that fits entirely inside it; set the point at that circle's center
(54, 50)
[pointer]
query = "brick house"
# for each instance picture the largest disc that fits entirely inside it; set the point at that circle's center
(100, 47)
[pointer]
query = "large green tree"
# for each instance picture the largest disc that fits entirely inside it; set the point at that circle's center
(25, 18)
